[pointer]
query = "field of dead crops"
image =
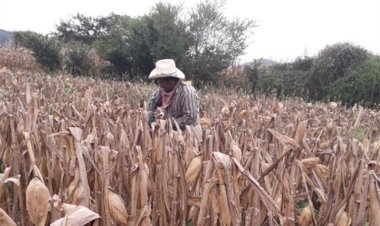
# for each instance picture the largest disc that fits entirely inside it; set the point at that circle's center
(77, 151)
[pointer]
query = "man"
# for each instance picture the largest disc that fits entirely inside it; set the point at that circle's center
(177, 99)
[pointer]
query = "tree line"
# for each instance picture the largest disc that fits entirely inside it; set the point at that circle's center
(340, 72)
(204, 42)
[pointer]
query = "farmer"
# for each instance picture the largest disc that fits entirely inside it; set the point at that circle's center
(177, 99)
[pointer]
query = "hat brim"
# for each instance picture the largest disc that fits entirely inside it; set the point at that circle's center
(178, 74)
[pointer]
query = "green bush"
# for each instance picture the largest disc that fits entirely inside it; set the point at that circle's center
(78, 61)
(286, 79)
(359, 86)
(333, 63)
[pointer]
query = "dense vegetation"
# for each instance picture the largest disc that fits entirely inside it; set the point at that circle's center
(343, 72)
(205, 44)
(202, 40)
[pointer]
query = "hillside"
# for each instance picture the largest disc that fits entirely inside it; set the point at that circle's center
(5, 36)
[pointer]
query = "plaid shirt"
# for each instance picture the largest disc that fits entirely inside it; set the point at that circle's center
(184, 108)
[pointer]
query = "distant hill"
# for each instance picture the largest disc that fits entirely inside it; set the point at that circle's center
(262, 61)
(267, 62)
(5, 36)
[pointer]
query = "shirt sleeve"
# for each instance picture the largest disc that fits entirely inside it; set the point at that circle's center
(190, 107)
(154, 102)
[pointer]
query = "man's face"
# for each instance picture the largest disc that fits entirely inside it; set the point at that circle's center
(167, 84)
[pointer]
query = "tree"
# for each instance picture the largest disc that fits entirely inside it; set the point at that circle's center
(167, 33)
(86, 29)
(114, 46)
(78, 60)
(215, 42)
(332, 63)
(202, 46)
(359, 86)
(141, 60)
(287, 79)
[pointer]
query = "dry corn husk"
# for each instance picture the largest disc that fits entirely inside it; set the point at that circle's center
(115, 206)
(225, 111)
(306, 216)
(37, 201)
(309, 162)
(300, 133)
(374, 202)
(223, 161)
(194, 169)
(206, 122)
(4, 70)
(226, 218)
(143, 219)
(343, 219)
(4, 177)
(75, 216)
(254, 110)
(277, 107)
(83, 197)
(222, 158)
(5, 220)
(243, 115)
(236, 152)
(332, 105)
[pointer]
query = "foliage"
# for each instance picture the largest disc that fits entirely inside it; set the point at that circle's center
(45, 49)
(331, 64)
(342, 72)
(253, 73)
(167, 33)
(215, 42)
(79, 61)
(359, 86)
(85, 29)
(202, 42)
(140, 58)
(287, 79)
(114, 46)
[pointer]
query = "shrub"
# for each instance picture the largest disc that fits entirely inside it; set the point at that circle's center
(45, 49)
(81, 59)
(332, 63)
(359, 86)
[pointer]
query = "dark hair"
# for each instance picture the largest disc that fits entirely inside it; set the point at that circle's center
(173, 79)
(168, 79)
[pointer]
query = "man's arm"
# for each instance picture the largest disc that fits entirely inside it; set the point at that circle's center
(154, 102)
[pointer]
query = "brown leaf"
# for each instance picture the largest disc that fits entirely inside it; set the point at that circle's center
(37, 201)
(75, 216)
(5, 220)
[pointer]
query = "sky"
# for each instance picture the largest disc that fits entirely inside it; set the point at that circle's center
(286, 29)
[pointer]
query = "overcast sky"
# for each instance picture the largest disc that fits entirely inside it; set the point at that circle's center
(287, 29)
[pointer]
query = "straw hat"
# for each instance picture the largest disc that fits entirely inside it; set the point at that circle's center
(166, 68)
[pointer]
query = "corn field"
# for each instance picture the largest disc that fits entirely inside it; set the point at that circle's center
(78, 151)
